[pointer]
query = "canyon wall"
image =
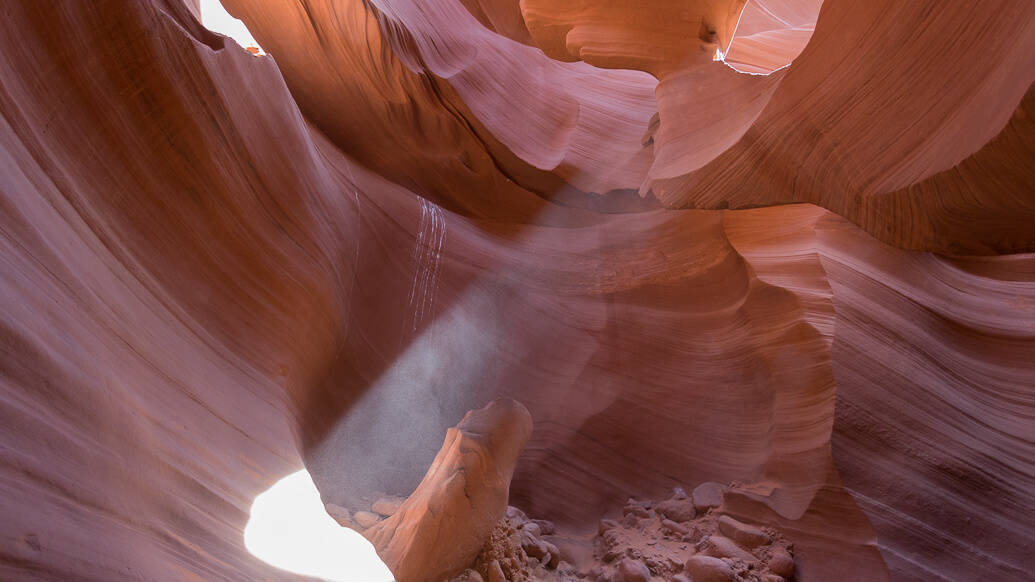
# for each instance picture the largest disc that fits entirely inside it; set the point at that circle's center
(218, 268)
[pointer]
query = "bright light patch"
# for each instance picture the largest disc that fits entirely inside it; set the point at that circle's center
(215, 18)
(288, 528)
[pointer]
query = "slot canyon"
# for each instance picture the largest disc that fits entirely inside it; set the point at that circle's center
(516, 290)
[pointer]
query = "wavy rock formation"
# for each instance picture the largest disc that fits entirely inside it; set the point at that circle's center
(218, 268)
(437, 532)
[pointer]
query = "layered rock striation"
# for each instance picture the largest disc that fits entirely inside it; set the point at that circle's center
(218, 268)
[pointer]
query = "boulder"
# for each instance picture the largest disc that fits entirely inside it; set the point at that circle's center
(516, 515)
(676, 528)
(532, 528)
(633, 571)
(366, 519)
(677, 509)
(747, 536)
(496, 572)
(340, 514)
(781, 562)
(708, 495)
(464, 493)
(545, 526)
(723, 547)
(387, 506)
(709, 569)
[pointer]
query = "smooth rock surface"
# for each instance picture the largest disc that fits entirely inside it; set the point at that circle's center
(464, 493)
(633, 571)
(219, 268)
(709, 569)
(708, 495)
(746, 536)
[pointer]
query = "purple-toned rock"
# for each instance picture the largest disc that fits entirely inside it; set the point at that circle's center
(676, 528)
(633, 571)
(496, 572)
(387, 506)
(747, 536)
(545, 526)
(532, 528)
(723, 547)
(516, 515)
(677, 509)
(709, 569)
(708, 495)
(781, 562)
(365, 519)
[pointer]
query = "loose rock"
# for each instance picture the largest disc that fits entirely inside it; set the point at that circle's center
(555, 554)
(708, 495)
(496, 572)
(340, 514)
(532, 545)
(709, 569)
(674, 527)
(677, 509)
(532, 528)
(366, 519)
(515, 514)
(470, 576)
(635, 509)
(634, 571)
(545, 526)
(723, 547)
(387, 506)
(781, 562)
(747, 536)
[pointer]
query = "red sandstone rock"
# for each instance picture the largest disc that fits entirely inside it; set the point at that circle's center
(745, 535)
(218, 267)
(633, 571)
(709, 569)
(438, 530)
